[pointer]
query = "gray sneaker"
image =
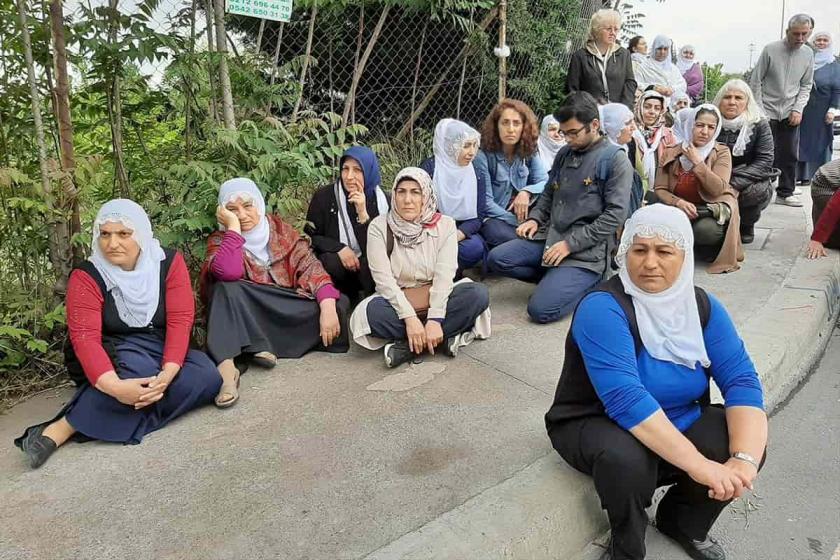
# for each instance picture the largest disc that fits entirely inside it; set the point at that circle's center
(791, 200)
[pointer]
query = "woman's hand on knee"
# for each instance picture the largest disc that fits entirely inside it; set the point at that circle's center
(723, 483)
(415, 333)
(434, 335)
(348, 259)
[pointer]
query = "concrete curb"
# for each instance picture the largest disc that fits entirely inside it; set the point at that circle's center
(549, 511)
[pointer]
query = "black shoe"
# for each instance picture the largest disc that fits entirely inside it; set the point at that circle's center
(747, 235)
(707, 549)
(37, 447)
(397, 353)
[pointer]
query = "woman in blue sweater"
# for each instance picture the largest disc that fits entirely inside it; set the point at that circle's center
(632, 405)
(459, 188)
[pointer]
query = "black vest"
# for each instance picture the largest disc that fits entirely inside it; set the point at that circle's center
(575, 396)
(113, 328)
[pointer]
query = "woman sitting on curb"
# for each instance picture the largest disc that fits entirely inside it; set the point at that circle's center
(267, 294)
(130, 311)
(632, 405)
(413, 254)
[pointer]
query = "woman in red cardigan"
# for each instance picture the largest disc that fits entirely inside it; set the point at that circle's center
(130, 311)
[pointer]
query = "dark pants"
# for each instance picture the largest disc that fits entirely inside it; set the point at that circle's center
(816, 211)
(786, 145)
(99, 416)
(496, 231)
(626, 474)
(559, 288)
(751, 201)
(348, 282)
(467, 301)
(471, 251)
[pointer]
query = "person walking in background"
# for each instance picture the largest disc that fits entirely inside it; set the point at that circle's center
(823, 104)
(747, 134)
(603, 68)
(512, 168)
(692, 72)
(781, 82)
(658, 72)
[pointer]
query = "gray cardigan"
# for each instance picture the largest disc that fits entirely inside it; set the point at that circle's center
(575, 208)
(782, 79)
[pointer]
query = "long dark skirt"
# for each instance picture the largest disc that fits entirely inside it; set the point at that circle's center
(246, 318)
(95, 415)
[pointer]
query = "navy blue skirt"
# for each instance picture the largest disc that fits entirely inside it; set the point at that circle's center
(95, 415)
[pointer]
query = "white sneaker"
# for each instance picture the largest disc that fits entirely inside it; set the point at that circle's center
(791, 200)
(797, 191)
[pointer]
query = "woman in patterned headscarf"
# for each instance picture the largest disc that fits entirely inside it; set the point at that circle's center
(413, 255)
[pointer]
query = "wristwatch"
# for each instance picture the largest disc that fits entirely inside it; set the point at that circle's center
(741, 456)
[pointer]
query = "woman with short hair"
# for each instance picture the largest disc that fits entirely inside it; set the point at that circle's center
(603, 68)
(694, 177)
(413, 252)
(746, 132)
(512, 168)
(632, 406)
(130, 312)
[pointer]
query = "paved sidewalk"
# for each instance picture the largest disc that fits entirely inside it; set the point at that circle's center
(335, 457)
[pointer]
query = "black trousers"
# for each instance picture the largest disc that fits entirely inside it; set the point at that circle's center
(348, 282)
(626, 474)
(786, 146)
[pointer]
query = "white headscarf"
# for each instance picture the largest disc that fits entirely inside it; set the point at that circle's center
(684, 130)
(826, 55)
(136, 292)
(676, 98)
(683, 63)
(744, 122)
(245, 190)
(548, 146)
(456, 186)
(614, 118)
(669, 321)
(656, 132)
(658, 42)
(661, 73)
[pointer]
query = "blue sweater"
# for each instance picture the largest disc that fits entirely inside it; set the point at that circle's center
(467, 227)
(634, 387)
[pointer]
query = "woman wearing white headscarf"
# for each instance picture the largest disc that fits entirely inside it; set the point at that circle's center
(461, 192)
(692, 72)
(130, 311)
(267, 294)
(650, 138)
(746, 132)
(618, 124)
(413, 254)
(658, 72)
(816, 135)
(632, 406)
(694, 177)
(550, 141)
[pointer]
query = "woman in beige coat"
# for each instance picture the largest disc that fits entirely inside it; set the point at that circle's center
(413, 256)
(694, 177)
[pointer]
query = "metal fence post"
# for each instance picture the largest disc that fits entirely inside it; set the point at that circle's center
(502, 49)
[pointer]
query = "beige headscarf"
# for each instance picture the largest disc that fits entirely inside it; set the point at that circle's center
(409, 234)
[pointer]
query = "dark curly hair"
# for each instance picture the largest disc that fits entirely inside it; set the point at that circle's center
(527, 145)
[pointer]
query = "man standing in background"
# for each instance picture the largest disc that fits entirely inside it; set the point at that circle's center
(782, 81)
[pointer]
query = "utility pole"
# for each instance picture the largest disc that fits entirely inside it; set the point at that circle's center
(752, 51)
(783, 20)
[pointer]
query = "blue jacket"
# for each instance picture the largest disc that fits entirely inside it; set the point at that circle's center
(506, 180)
(467, 227)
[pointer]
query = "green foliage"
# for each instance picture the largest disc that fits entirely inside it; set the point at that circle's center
(715, 77)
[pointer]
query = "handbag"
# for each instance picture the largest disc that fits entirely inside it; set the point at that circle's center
(418, 296)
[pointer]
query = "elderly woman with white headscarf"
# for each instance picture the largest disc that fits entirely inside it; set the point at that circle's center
(267, 294)
(694, 176)
(632, 407)
(657, 72)
(550, 141)
(816, 131)
(692, 72)
(618, 124)
(413, 253)
(460, 190)
(746, 132)
(130, 311)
